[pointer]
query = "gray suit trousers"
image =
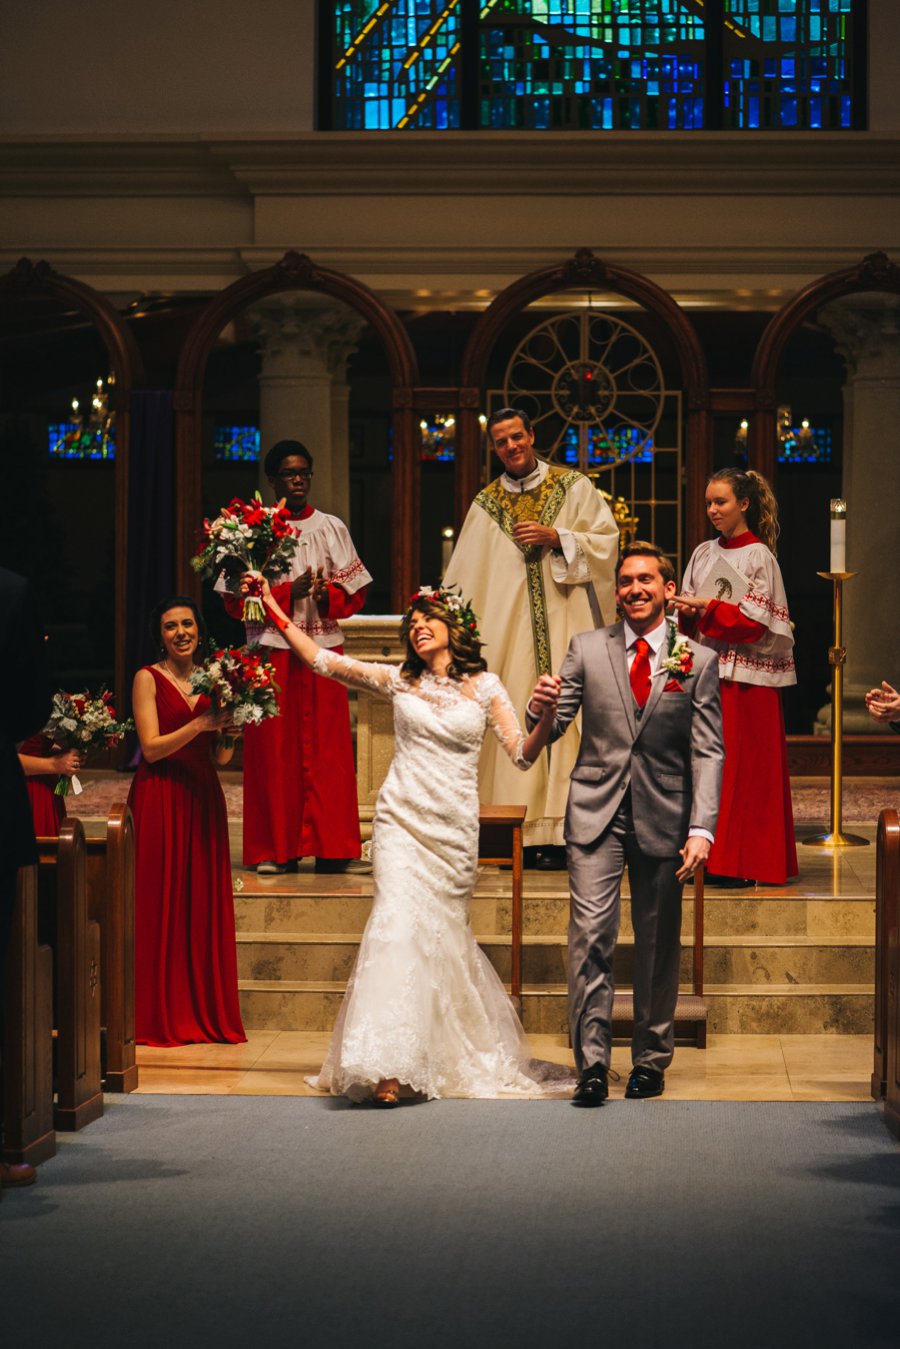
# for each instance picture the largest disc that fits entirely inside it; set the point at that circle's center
(595, 879)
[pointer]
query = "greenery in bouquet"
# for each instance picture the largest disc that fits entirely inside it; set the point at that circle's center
(83, 722)
(248, 536)
(240, 681)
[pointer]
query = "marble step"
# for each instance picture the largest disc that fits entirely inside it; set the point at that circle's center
(738, 960)
(849, 917)
(786, 1009)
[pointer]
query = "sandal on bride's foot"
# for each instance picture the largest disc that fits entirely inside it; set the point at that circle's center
(387, 1093)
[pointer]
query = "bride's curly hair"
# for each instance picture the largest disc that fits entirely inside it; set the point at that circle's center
(465, 644)
(762, 508)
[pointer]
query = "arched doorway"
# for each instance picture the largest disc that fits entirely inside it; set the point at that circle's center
(585, 271)
(296, 271)
(31, 283)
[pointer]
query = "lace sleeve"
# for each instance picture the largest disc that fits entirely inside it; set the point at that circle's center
(357, 674)
(502, 719)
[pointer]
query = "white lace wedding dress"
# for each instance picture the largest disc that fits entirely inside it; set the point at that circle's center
(423, 1003)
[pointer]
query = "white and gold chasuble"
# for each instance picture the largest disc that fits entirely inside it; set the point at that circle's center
(530, 603)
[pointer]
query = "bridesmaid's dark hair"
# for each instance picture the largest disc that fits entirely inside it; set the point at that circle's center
(465, 650)
(176, 602)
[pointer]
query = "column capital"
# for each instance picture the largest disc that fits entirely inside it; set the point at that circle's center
(866, 330)
(304, 329)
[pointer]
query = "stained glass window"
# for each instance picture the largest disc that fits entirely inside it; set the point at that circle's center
(787, 64)
(590, 64)
(236, 444)
(396, 65)
(548, 64)
(71, 440)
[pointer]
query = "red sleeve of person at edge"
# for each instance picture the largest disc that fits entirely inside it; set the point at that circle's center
(725, 623)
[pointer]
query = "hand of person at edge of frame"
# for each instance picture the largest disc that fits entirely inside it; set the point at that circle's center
(884, 704)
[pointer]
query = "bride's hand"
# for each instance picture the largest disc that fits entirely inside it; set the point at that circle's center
(254, 583)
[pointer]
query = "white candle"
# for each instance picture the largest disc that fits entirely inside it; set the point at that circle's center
(447, 536)
(838, 535)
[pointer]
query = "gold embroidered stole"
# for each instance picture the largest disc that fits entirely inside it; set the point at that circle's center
(542, 504)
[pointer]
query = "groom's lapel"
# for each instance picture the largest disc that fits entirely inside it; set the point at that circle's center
(615, 647)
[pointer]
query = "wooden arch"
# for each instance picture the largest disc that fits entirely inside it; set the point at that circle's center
(127, 367)
(585, 270)
(296, 271)
(876, 272)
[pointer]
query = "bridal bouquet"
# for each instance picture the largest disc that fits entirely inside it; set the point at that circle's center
(248, 536)
(78, 721)
(240, 681)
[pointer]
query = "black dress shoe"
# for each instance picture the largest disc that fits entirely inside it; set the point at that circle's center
(644, 1082)
(332, 865)
(727, 882)
(551, 859)
(593, 1086)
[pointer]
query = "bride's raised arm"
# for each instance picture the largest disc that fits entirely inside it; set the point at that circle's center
(357, 674)
(522, 749)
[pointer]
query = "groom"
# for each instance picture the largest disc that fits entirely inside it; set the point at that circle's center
(644, 794)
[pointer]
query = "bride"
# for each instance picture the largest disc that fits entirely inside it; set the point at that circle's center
(424, 1008)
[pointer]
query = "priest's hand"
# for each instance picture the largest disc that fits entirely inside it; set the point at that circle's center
(529, 534)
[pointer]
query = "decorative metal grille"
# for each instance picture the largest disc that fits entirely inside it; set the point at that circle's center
(596, 395)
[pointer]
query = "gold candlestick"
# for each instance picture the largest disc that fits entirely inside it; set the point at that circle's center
(837, 654)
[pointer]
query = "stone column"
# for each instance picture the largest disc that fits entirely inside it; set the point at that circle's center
(867, 331)
(305, 341)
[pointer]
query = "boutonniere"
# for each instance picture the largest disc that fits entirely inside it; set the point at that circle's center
(679, 658)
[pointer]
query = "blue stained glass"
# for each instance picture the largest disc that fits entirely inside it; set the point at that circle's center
(236, 444)
(69, 440)
(582, 64)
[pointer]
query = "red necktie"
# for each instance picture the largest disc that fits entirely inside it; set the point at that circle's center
(640, 672)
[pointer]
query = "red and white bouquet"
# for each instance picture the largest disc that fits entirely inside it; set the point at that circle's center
(248, 536)
(80, 721)
(240, 681)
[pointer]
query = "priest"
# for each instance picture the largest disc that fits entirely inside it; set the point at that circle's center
(536, 556)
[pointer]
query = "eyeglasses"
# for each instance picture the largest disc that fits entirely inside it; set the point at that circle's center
(304, 474)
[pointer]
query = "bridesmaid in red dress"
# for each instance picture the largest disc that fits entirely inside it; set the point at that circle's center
(43, 765)
(185, 956)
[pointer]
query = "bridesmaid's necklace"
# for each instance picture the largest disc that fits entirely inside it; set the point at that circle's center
(179, 679)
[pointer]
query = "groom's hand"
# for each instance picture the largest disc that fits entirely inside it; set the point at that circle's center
(543, 700)
(695, 851)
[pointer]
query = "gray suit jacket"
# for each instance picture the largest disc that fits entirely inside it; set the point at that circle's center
(671, 756)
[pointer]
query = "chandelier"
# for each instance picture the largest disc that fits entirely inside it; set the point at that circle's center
(794, 442)
(91, 437)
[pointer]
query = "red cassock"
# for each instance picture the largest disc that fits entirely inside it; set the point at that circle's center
(755, 829)
(185, 956)
(299, 776)
(47, 809)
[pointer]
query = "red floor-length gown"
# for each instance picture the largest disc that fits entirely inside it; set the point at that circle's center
(48, 810)
(185, 955)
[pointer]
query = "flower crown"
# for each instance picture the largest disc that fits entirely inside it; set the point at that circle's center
(460, 610)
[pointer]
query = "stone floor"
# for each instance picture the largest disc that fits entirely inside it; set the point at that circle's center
(731, 1068)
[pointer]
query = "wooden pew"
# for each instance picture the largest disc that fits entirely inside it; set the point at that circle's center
(888, 881)
(110, 883)
(65, 924)
(887, 902)
(28, 1035)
